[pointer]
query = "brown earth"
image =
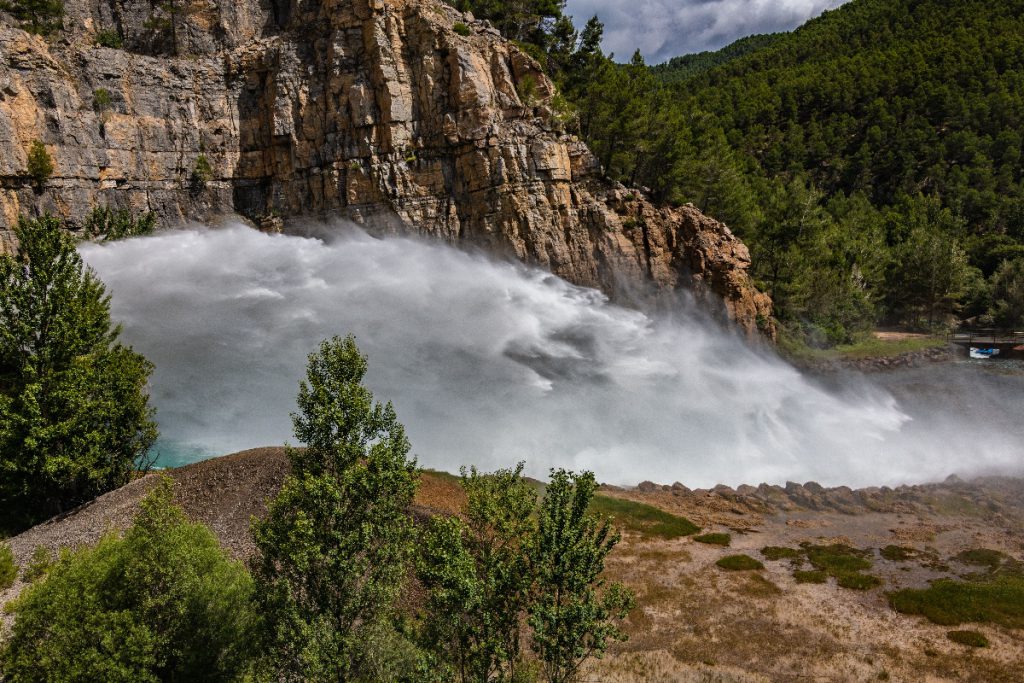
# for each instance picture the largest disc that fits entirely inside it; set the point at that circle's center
(694, 621)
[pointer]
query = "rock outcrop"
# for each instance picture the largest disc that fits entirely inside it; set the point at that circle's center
(372, 110)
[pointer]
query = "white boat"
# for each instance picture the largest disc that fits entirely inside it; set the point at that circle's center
(983, 354)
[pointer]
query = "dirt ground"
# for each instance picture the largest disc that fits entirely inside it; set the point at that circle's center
(695, 621)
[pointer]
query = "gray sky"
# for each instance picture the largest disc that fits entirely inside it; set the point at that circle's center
(666, 28)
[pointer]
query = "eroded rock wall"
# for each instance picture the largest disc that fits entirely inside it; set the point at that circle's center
(372, 110)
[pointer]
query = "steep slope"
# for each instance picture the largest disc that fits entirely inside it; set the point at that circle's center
(377, 111)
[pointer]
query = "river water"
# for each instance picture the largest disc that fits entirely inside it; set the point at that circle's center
(490, 363)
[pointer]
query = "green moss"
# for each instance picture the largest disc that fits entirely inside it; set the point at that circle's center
(972, 638)
(739, 563)
(838, 558)
(898, 553)
(982, 557)
(461, 29)
(774, 552)
(858, 581)
(714, 539)
(999, 600)
(812, 576)
(641, 518)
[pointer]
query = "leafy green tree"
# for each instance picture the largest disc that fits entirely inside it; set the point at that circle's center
(161, 603)
(114, 224)
(74, 415)
(479, 578)
(36, 16)
(336, 545)
(572, 618)
(1008, 294)
(40, 164)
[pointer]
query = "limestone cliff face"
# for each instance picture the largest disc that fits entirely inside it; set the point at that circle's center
(372, 110)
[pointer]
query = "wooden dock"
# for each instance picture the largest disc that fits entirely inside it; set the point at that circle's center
(1009, 343)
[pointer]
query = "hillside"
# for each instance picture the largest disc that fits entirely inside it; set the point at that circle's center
(694, 620)
(871, 158)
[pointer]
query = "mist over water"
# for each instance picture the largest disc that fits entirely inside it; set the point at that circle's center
(490, 363)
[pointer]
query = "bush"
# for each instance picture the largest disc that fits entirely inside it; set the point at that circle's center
(8, 570)
(774, 552)
(74, 415)
(101, 100)
(40, 164)
(202, 172)
(982, 557)
(948, 602)
(41, 562)
(109, 37)
(36, 16)
(714, 539)
(739, 563)
(971, 638)
(461, 29)
(161, 603)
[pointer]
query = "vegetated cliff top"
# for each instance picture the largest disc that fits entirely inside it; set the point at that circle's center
(377, 111)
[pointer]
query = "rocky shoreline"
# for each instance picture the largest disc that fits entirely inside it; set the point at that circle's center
(873, 364)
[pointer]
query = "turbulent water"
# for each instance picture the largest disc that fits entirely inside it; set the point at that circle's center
(490, 363)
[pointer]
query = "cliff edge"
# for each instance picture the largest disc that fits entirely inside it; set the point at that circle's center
(377, 111)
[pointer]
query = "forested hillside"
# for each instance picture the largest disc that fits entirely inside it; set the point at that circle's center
(871, 158)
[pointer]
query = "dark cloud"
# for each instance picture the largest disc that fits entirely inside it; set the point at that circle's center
(662, 29)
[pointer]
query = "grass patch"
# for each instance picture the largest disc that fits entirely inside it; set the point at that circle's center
(8, 570)
(982, 557)
(869, 347)
(810, 576)
(774, 552)
(972, 638)
(714, 539)
(757, 586)
(644, 519)
(898, 553)
(999, 600)
(739, 563)
(857, 581)
(838, 558)
(461, 29)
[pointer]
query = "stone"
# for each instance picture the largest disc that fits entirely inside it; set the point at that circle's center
(647, 487)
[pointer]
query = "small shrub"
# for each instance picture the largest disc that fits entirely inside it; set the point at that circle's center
(739, 563)
(40, 563)
(811, 576)
(644, 519)
(774, 552)
(8, 570)
(857, 581)
(109, 37)
(971, 638)
(714, 539)
(40, 164)
(202, 172)
(526, 88)
(630, 223)
(101, 99)
(461, 29)
(837, 558)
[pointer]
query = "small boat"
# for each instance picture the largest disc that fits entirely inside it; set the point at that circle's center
(983, 354)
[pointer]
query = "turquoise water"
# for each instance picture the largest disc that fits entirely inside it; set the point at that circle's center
(169, 453)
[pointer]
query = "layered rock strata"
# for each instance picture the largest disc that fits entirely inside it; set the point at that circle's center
(376, 111)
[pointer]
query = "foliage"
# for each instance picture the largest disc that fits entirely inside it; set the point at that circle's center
(101, 100)
(774, 552)
(74, 414)
(739, 563)
(202, 172)
(115, 224)
(999, 600)
(333, 551)
(40, 164)
(8, 569)
(479, 578)
(810, 576)
(984, 557)
(844, 563)
(714, 539)
(571, 620)
(39, 565)
(1008, 294)
(970, 638)
(161, 603)
(36, 16)
(109, 37)
(857, 581)
(461, 29)
(641, 518)
(164, 22)
(898, 553)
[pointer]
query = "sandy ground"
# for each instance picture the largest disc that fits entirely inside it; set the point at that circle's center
(695, 621)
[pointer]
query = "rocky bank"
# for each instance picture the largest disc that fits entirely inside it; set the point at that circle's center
(376, 111)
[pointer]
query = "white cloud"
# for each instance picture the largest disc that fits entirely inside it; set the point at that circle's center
(662, 29)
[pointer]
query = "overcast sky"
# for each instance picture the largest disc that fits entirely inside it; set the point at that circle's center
(663, 29)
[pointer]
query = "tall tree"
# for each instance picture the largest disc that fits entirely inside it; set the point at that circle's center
(74, 414)
(335, 547)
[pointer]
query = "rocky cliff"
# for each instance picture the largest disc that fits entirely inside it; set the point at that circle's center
(378, 111)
